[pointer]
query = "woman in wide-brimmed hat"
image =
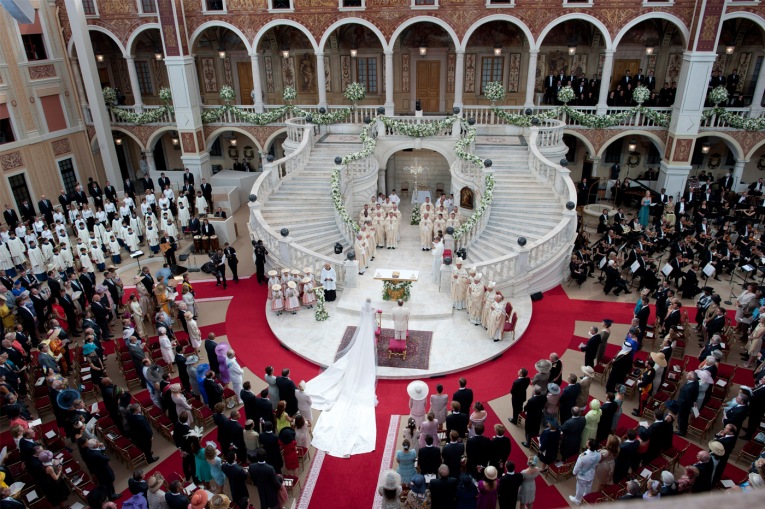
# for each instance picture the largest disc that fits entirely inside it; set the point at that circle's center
(487, 488)
(156, 495)
(390, 489)
(553, 401)
(543, 367)
(418, 393)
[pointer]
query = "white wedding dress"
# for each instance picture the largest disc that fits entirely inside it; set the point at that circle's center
(345, 394)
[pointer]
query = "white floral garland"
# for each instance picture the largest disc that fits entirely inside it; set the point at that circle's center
(483, 206)
(355, 92)
(464, 143)
(321, 313)
(735, 121)
(368, 142)
(337, 201)
(585, 119)
(323, 118)
(147, 117)
(420, 130)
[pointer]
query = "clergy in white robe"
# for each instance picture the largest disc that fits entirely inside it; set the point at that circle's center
(131, 240)
(361, 253)
(475, 300)
(329, 282)
(497, 318)
(426, 232)
(97, 255)
(370, 240)
(458, 293)
(16, 248)
(152, 238)
(36, 260)
(183, 214)
(488, 299)
(379, 224)
(391, 225)
(438, 257)
(201, 204)
(85, 261)
(171, 230)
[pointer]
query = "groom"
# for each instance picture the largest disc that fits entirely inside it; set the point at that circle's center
(400, 321)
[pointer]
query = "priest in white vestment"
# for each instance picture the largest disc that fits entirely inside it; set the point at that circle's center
(438, 256)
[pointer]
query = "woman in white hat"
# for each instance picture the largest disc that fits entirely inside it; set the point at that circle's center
(418, 393)
(660, 364)
(553, 401)
(273, 279)
(277, 299)
(309, 298)
(390, 490)
(167, 347)
(487, 488)
(181, 404)
(291, 301)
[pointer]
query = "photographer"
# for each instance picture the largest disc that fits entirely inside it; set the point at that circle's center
(218, 260)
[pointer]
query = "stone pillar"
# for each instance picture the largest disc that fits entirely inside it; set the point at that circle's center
(134, 85)
(257, 87)
(595, 165)
(389, 106)
(689, 101)
(673, 177)
(152, 165)
(759, 91)
(738, 171)
(321, 83)
(381, 181)
(351, 269)
(95, 97)
(459, 78)
(605, 82)
(531, 79)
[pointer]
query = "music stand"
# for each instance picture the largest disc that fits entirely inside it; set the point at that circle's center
(136, 255)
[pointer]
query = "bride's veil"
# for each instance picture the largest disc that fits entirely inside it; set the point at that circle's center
(365, 329)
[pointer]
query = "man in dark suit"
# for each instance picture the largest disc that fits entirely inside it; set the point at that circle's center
(456, 420)
(110, 192)
(443, 489)
(727, 438)
(206, 189)
(233, 261)
(163, 181)
(140, 432)
(195, 226)
(650, 81)
(571, 434)
(452, 453)
(11, 218)
(738, 413)
(533, 408)
(590, 349)
(756, 408)
(731, 82)
(96, 193)
(188, 177)
(175, 497)
(608, 409)
(46, 209)
(27, 211)
(287, 390)
(148, 183)
(270, 443)
(686, 399)
(429, 457)
(183, 374)
(627, 79)
(464, 396)
(264, 478)
(250, 403)
(212, 357)
(550, 82)
(627, 458)
(235, 433)
(568, 397)
(181, 441)
(169, 241)
(236, 475)
(660, 435)
(478, 451)
(703, 482)
(102, 316)
(509, 484)
(518, 393)
(137, 484)
(500, 447)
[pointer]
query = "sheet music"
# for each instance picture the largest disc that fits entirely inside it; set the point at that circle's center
(602, 263)
(635, 266)
(709, 270)
(667, 269)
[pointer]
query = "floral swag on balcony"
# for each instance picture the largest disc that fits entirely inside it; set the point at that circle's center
(337, 200)
(147, 117)
(227, 95)
(566, 95)
(720, 95)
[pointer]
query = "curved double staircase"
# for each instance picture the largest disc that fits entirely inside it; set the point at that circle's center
(529, 202)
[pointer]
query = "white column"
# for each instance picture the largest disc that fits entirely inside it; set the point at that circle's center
(320, 80)
(759, 91)
(595, 166)
(389, 82)
(137, 99)
(150, 161)
(531, 79)
(459, 78)
(90, 81)
(257, 87)
(738, 172)
(605, 82)
(689, 100)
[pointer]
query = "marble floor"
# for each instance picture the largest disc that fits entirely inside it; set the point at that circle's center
(457, 344)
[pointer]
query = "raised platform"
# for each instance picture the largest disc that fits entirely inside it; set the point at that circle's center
(456, 345)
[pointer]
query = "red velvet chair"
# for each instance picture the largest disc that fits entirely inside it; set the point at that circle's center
(510, 324)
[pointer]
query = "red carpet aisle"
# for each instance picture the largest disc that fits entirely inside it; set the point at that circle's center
(551, 329)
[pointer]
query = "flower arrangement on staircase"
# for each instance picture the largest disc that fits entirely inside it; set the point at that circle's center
(321, 313)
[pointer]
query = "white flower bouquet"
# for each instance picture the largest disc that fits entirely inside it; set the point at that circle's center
(718, 95)
(165, 95)
(566, 94)
(110, 96)
(641, 94)
(289, 94)
(494, 91)
(355, 92)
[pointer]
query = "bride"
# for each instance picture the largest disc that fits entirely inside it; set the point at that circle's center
(345, 394)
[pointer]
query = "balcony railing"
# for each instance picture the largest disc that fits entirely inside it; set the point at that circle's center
(485, 115)
(716, 122)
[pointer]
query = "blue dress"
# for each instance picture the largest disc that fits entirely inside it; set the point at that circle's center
(645, 211)
(406, 465)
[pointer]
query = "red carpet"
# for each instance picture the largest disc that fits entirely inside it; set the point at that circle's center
(551, 329)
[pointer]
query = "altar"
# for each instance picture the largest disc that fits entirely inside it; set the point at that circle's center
(397, 283)
(419, 195)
